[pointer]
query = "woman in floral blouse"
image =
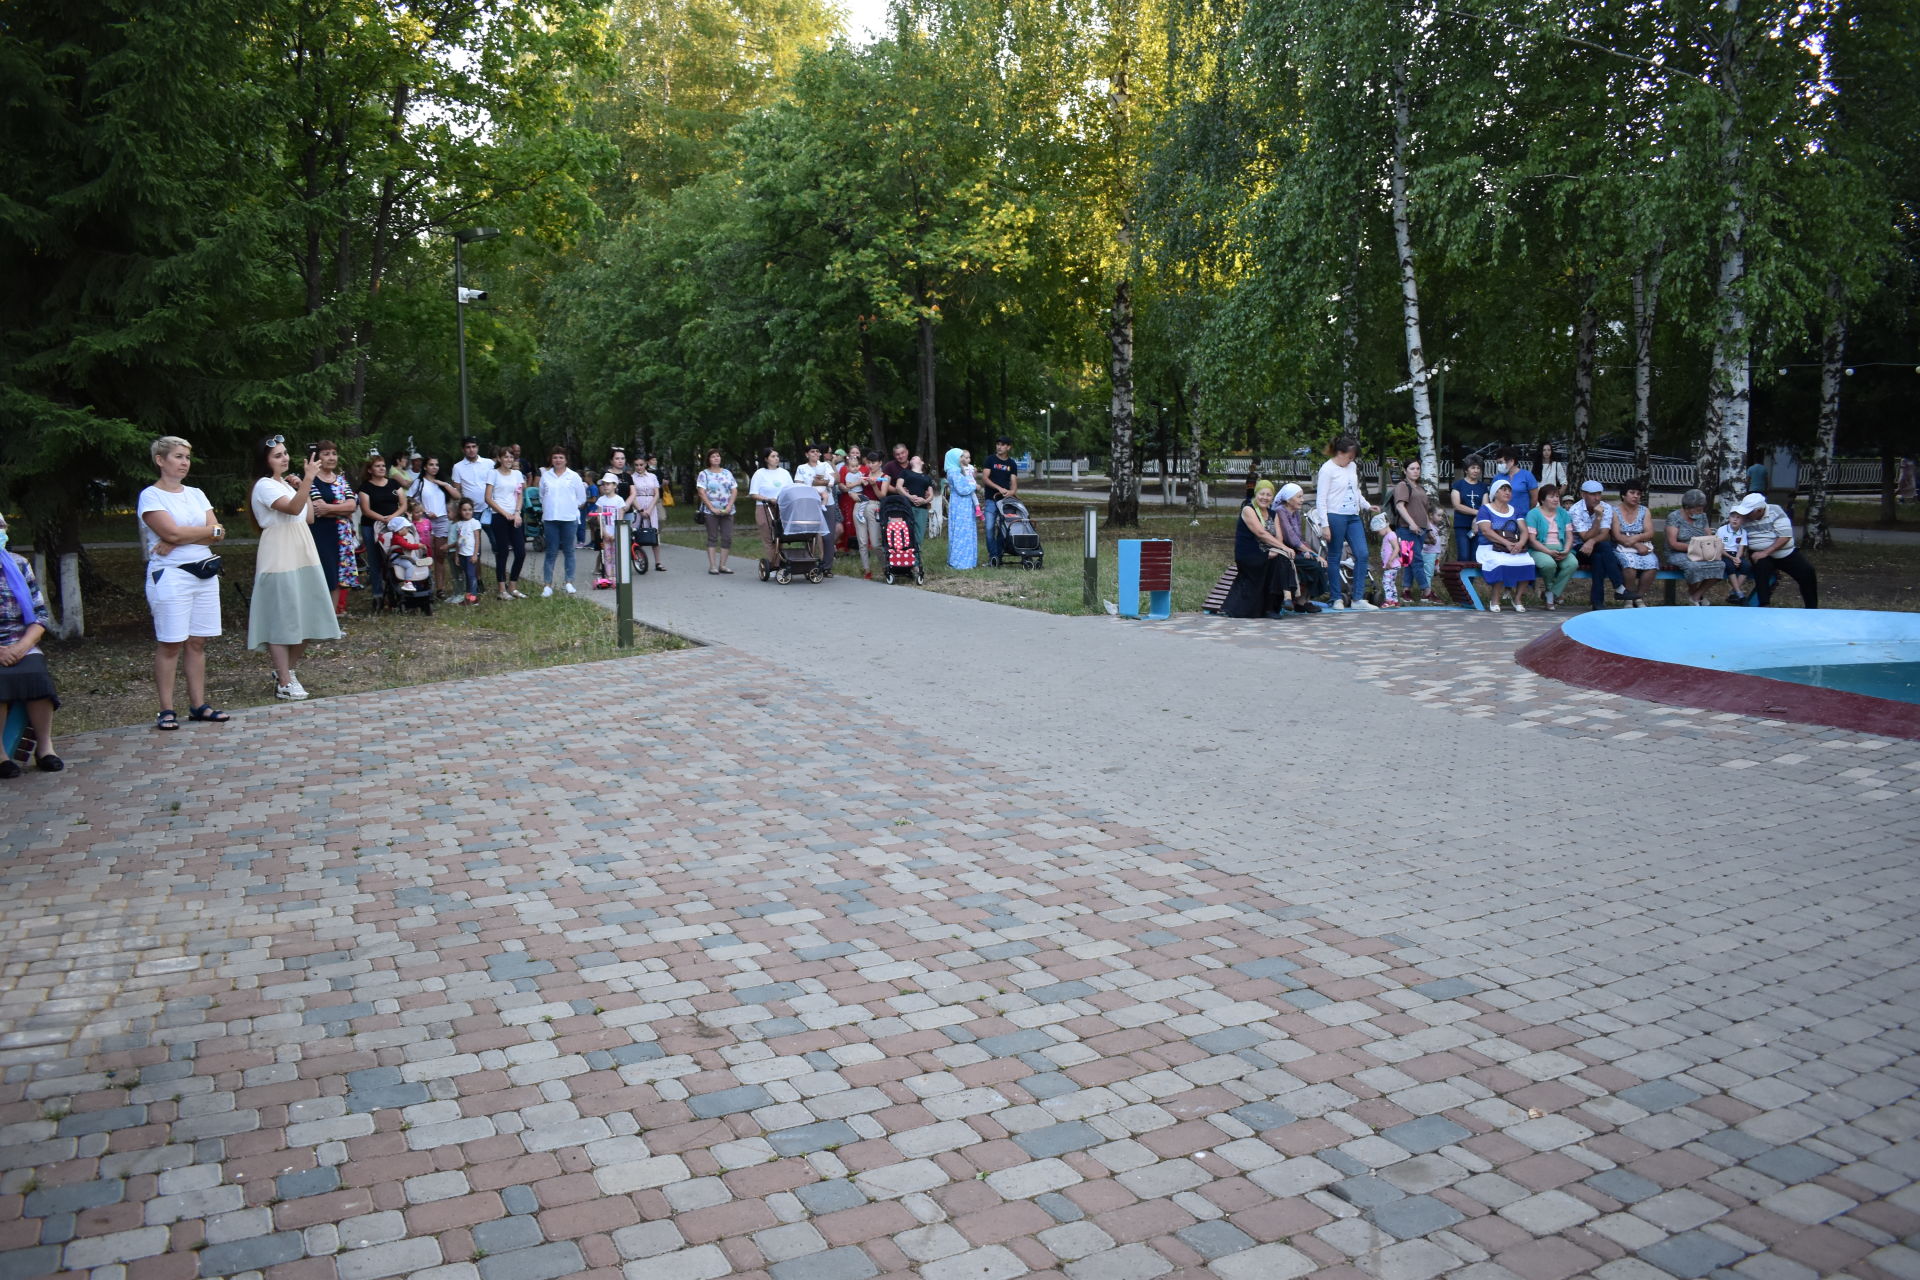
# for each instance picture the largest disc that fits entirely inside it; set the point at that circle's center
(334, 503)
(24, 677)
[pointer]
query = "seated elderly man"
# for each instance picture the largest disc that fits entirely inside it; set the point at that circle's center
(1770, 542)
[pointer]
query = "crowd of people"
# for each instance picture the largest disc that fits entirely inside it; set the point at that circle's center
(1520, 530)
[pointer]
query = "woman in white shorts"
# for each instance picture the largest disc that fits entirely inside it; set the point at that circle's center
(180, 532)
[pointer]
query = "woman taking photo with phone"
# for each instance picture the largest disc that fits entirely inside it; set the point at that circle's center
(333, 502)
(290, 605)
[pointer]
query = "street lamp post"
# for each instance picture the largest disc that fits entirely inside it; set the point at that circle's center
(462, 238)
(1047, 463)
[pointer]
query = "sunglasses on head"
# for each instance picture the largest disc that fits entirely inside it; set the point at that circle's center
(274, 442)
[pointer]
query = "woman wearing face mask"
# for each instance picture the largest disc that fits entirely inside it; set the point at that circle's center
(289, 605)
(25, 681)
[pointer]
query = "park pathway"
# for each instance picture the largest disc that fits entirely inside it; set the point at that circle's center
(893, 934)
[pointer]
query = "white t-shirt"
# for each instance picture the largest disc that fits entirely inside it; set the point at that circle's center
(562, 494)
(188, 507)
(806, 471)
(466, 537)
(506, 487)
(473, 478)
(768, 484)
(266, 492)
(1337, 492)
(433, 499)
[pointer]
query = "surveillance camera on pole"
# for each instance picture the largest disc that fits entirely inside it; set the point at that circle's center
(472, 295)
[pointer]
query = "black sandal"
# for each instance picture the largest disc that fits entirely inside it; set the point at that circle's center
(166, 721)
(206, 712)
(49, 763)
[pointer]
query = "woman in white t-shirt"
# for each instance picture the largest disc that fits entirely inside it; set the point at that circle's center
(1338, 495)
(504, 523)
(179, 531)
(434, 494)
(290, 604)
(765, 489)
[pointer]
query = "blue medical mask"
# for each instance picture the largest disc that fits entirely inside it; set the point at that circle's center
(3, 539)
(1500, 468)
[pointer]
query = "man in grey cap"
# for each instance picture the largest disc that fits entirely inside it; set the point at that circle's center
(1593, 543)
(1770, 542)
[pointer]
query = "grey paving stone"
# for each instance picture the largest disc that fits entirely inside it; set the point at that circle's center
(747, 1097)
(1414, 1216)
(828, 1197)
(1263, 1115)
(802, 1139)
(1215, 1239)
(1014, 1042)
(846, 1263)
(1061, 1208)
(27, 1264)
(85, 1122)
(1228, 1039)
(1791, 1164)
(256, 1254)
(1366, 1192)
(1058, 1139)
(520, 1199)
(503, 1235)
(1427, 1133)
(1446, 988)
(1049, 1084)
(1627, 1188)
(547, 1262)
(1691, 1254)
(1738, 1144)
(1268, 967)
(766, 992)
(1659, 1095)
(73, 1197)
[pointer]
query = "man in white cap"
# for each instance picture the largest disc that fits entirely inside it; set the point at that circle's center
(1593, 543)
(1770, 542)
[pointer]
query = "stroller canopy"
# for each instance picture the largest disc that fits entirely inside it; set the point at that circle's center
(800, 510)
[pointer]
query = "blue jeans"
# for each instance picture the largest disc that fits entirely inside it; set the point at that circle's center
(1351, 530)
(559, 535)
(994, 523)
(1602, 566)
(470, 568)
(1462, 543)
(1417, 571)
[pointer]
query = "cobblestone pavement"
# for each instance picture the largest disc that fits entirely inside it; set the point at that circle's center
(763, 977)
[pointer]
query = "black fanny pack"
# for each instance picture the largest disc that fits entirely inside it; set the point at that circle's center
(208, 568)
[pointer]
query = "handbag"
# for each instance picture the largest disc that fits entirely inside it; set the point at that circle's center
(1706, 547)
(700, 515)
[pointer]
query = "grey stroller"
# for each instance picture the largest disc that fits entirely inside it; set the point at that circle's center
(799, 525)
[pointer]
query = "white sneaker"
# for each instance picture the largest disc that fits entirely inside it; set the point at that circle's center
(1494, 607)
(545, 592)
(289, 692)
(1364, 606)
(1518, 607)
(1337, 606)
(570, 590)
(516, 593)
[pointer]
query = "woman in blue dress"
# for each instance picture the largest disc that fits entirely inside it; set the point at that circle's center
(963, 540)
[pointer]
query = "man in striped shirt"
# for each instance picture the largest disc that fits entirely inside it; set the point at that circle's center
(1771, 542)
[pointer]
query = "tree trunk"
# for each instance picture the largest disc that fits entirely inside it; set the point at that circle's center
(1833, 354)
(1196, 450)
(929, 442)
(1350, 342)
(1123, 487)
(1646, 304)
(870, 387)
(1409, 284)
(1730, 385)
(1586, 341)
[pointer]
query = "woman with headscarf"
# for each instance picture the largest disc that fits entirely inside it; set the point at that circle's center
(963, 540)
(1504, 562)
(1262, 561)
(25, 682)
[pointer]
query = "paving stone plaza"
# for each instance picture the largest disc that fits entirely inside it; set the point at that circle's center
(892, 934)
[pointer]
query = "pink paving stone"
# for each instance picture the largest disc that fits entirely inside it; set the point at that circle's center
(334, 1206)
(532, 1167)
(1003, 1222)
(1546, 1170)
(1181, 1139)
(606, 1214)
(1278, 1219)
(960, 1198)
(1827, 1250)
(303, 1269)
(165, 1266)
(1304, 1137)
(1144, 1220)
(1549, 1096)
(1618, 1148)
(1497, 1148)
(1099, 1195)
(1433, 1066)
(1672, 1168)
(1378, 1112)
(1547, 1260)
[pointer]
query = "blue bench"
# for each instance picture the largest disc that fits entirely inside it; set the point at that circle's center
(1469, 576)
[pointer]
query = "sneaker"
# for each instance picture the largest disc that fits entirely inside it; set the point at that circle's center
(289, 693)
(1518, 607)
(1308, 607)
(472, 600)
(1493, 607)
(1338, 606)
(1362, 606)
(518, 594)
(545, 593)
(570, 590)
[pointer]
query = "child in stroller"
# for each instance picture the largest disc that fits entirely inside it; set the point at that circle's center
(900, 539)
(1018, 537)
(799, 528)
(409, 563)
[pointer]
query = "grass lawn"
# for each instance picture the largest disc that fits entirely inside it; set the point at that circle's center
(1853, 575)
(107, 679)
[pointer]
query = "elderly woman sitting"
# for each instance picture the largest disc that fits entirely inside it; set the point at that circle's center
(24, 677)
(1702, 565)
(1263, 563)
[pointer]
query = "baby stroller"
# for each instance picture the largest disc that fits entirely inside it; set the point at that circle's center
(1018, 536)
(799, 524)
(409, 565)
(899, 539)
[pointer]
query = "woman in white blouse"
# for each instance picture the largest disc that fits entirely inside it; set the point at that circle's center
(1548, 469)
(290, 602)
(1339, 495)
(765, 489)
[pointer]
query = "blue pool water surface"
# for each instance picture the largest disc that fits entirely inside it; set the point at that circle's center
(1899, 681)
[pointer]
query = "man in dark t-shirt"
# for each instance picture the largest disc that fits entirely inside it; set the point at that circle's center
(898, 467)
(1001, 479)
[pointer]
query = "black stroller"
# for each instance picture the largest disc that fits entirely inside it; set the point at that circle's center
(1018, 537)
(799, 525)
(900, 540)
